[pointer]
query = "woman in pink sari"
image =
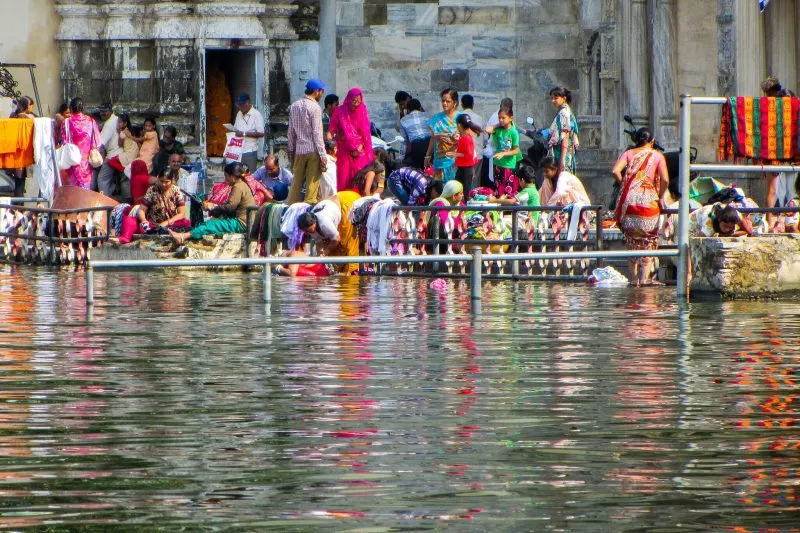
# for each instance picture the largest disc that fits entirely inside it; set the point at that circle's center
(81, 130)
(350, 127)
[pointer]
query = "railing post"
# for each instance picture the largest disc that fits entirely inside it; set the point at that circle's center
(515, 248)
(683, 209)
(89, 285)
(267, 274)
(598, 234)
(475, 274)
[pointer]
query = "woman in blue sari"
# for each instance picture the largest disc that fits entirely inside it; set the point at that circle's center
(563, 131)
(444, 137)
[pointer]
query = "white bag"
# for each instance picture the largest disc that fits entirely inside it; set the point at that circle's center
(607, 277)
(69, 154)
(233, 150)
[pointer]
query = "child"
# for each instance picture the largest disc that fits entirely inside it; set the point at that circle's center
(149, 143)
(465, 155)
(528, 195)
(505, 140)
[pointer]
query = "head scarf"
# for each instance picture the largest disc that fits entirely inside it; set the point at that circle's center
(138, 168)
(354, 128)
(451, 188)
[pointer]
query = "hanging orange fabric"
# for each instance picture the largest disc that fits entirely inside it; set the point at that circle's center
(16, 142)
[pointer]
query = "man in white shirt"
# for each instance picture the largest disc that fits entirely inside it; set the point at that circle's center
(250, 125)
(109, 136)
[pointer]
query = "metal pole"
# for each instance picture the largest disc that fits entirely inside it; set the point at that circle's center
(267, 282)
(36, 92)
(89, 285)
(475, 274)
(515, 248)
(683, 209)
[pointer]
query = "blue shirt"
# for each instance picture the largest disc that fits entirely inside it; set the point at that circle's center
(414, 126)
(412, 181)
(284, 176)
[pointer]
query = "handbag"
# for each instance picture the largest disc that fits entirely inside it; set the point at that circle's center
(69, 154)
(95, 157)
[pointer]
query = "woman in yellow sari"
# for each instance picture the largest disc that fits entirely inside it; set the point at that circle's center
(327, 223)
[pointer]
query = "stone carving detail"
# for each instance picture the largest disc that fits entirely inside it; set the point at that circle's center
(305, 20)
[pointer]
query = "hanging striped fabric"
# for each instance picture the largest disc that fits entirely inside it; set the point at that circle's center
(762, 4)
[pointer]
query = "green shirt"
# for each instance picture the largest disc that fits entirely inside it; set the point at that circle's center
(506, 140)
(530, 196)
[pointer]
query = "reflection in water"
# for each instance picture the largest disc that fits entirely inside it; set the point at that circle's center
(185, 403)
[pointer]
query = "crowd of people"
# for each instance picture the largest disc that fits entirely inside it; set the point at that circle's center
(451, 157)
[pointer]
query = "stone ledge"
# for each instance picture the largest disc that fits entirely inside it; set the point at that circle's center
(767, 266)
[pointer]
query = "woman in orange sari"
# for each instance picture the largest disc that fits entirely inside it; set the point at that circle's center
(642, 196)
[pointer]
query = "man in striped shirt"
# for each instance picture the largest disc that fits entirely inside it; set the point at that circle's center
(306, 145)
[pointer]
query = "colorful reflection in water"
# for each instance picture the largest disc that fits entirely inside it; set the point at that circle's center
(183, 402)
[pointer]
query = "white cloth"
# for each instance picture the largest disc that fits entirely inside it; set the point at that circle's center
(488, 149)
(329, 216)
(44, 169)
(187, 181)
(482, 139)
(378, 224)
(109, 137)
(574, 220)
(784, 192)
(327, 186)
(289, 223)
(252, 122)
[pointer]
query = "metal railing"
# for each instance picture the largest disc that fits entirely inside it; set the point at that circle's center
(476, 259)
(687, 167)
(47, 222)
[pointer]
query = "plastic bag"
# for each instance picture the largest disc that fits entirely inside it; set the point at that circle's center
(607, 277)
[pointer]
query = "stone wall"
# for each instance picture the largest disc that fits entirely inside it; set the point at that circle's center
(26, 36)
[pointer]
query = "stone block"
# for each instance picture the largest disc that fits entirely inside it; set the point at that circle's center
(375, 14)
(399, 48)
(349, 13)
(413, 15)
(473, 15)
(488, 47)
(446, 47)
(550, 42)
(491, 80)
(534, 12)
(457, 79)
(349, 47)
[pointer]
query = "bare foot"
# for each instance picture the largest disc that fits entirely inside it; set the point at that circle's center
(179, 238)
(114, 241)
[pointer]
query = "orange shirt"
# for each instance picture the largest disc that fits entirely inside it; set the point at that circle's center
(16, 142)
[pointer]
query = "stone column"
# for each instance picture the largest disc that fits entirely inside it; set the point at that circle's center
(750, 53)
(781, 59)
(663, 75)
(636, 61)
(327, 43)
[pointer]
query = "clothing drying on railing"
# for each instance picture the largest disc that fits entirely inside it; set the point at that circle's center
(266, 229)
(16, 142)
(379, 223)
(763, 129)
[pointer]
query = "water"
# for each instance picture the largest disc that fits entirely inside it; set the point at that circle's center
(378, 405)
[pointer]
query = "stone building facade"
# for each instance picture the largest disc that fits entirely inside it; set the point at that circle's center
(155, 58)
(617, 56)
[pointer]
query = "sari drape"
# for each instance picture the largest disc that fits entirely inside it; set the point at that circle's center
(444, 129)
(83, 132)
(638, 210)
(352, 130)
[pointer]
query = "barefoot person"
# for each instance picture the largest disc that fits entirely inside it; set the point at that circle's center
(228, 218)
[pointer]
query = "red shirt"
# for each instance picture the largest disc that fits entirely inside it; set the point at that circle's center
(466, 147)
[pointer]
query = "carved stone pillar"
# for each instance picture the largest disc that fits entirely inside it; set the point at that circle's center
(610, 59)
(781, 58)
(750, 53)
(663, 73)
(636, 59)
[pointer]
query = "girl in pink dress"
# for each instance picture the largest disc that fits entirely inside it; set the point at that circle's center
(350, 126)
(82, 131)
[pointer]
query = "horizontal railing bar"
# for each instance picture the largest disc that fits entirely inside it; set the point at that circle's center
(747, 210)
(489, 208)
(702, 167)
(57, 211)
(472, 242)
(718, 100)
(25, 200)
(157, 263)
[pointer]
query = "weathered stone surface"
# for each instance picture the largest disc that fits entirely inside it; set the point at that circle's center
(758, 267)
(455, 78)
